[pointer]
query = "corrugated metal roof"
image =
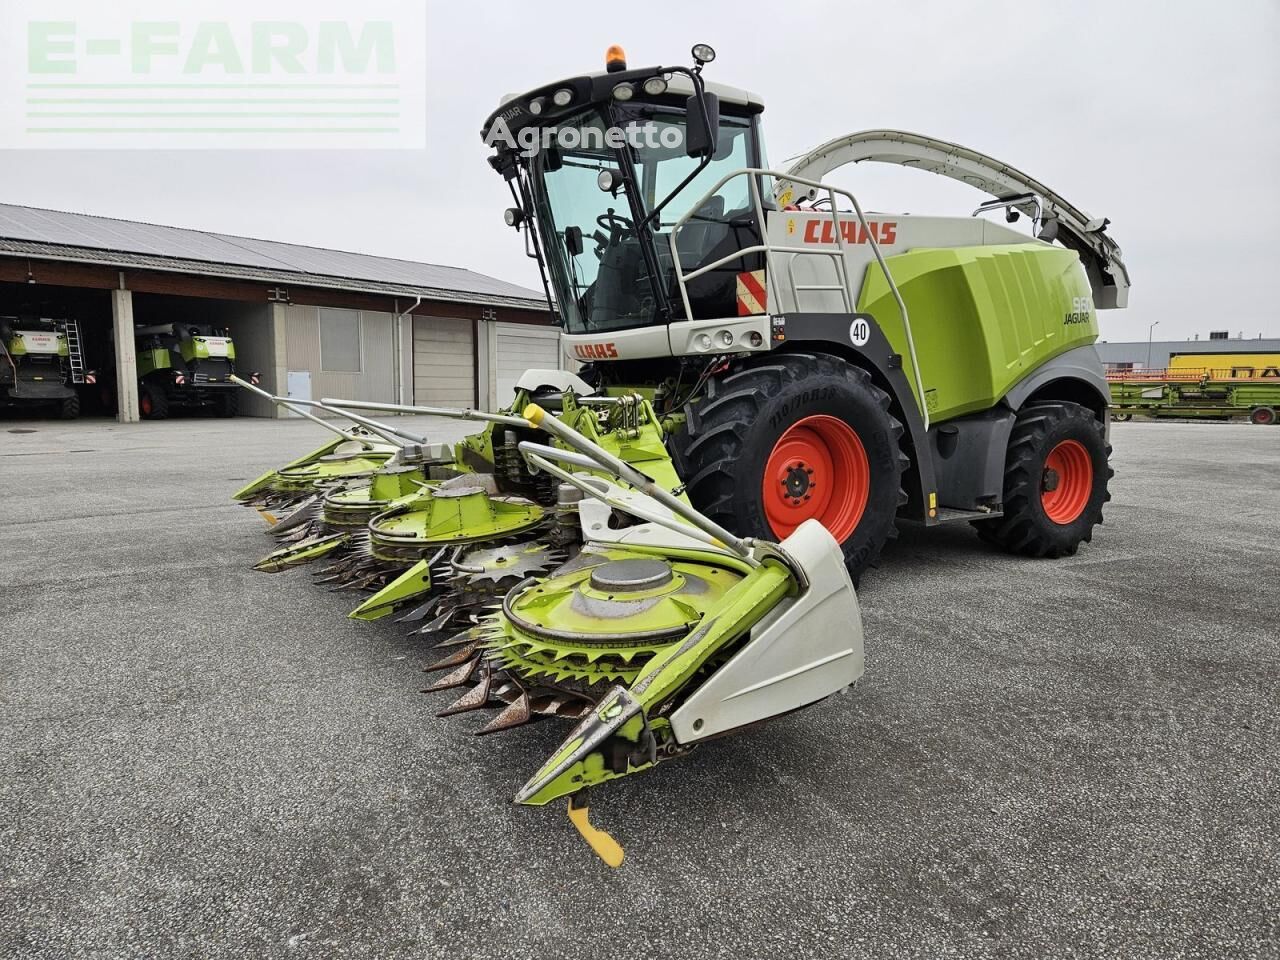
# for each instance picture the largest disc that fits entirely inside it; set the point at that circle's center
(76, 236)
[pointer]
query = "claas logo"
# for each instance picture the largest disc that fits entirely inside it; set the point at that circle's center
(596, 351)
(823, 231)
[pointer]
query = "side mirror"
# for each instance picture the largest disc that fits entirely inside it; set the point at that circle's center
(701, 137)
(1048, 231)
(573, 241)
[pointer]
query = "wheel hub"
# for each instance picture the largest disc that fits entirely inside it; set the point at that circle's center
(1066, 485)
(818, 470)
(798, 481)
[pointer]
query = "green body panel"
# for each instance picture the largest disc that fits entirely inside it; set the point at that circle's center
(356, 505)
(305, 470)
(196, 348)
(982, 317)
(261, 482)
(307, 475)
(153, 359)
(581, 760)
(296, 554)
(413, 583)
(571, 642)
(462, 516)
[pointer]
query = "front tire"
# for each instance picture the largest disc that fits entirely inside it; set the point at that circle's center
(227, 403)
(1055, 482)
(803, 436)
(1262, 416)
(153, 403)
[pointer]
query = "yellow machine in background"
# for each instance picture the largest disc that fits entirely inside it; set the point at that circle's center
(1229, 366)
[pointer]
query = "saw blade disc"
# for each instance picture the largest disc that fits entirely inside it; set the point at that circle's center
(495, 564)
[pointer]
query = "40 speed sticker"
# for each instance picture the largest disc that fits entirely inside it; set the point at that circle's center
(859, 332)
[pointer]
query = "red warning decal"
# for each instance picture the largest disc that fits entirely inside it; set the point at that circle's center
(752, 298)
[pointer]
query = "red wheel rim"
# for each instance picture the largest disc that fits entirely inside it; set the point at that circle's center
(144, 403)
(1263, 416)
(818, 470)
(1067, 483)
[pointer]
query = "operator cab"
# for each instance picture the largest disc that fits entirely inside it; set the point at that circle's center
(605, 164)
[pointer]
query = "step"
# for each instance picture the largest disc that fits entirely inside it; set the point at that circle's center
(952, 515)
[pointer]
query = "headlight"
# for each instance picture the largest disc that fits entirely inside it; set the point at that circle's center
(655, 86)
(703, 52)
(624, 91)
(537, 105)
(608, 180)
(562, 97)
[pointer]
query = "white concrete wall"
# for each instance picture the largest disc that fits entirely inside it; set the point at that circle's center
(378, 377)
(258, 332)
(126, 356)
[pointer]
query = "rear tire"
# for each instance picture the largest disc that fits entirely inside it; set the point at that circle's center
(69, 409)
(227, 404)
(1055, 482)
(153, 404)
(801, 436)
(1263, 416)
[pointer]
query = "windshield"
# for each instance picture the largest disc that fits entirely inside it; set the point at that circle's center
(609, 275)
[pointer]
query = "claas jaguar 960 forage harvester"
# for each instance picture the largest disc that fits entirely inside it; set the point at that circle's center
(663, 548)
(815, 361)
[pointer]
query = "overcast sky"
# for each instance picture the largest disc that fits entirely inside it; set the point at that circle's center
(1161, 116)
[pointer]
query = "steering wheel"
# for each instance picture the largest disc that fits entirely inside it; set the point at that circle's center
(612, 221)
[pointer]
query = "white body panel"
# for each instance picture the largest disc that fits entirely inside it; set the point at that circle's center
(802, 651)
(895, 233)
(617, 344)
(562, 380)
(681, 339)
(594, 516)
(217, 346)
(38, 343)
(814, 231)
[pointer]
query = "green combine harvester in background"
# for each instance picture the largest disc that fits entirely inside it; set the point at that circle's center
(40, 365)
(775, 379)
(182, 366)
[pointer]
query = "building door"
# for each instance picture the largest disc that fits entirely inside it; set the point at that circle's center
(521, 347)
(444, 370)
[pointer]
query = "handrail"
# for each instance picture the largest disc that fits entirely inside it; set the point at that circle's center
(455, 413)
(838, 255)
(300, 411)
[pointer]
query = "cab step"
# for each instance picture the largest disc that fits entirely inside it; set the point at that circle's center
(952, 515)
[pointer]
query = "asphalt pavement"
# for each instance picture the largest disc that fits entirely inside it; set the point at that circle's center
(1072, 758)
